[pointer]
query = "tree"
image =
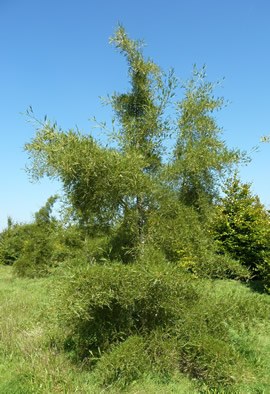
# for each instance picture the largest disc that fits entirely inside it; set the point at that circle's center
(116, 190)
(242, 227)
(44, 217)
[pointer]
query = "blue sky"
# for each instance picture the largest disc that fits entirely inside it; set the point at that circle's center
(55, 56)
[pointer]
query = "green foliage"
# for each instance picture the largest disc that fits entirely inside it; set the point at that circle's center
(226, 318)
(105, 304)
(206, 336)
(103, 185)
(29, 360)
(72, 242)
(215, 266)
(201, 157)
(35, 249)
(177, 230)
(117, 190)
(35, 258)
(11, 242)
(30, 247)
(162, 348)
(91, 175)
(44, 216)
(140, 111)
(179, 233)
(242, 228)
(126, 363)
(178, 324)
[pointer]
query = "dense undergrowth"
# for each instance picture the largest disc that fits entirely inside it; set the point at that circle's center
(175, 336)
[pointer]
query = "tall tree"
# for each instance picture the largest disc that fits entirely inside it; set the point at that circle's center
(116, 189)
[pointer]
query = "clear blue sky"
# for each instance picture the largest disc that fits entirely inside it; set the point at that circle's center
(55, 57)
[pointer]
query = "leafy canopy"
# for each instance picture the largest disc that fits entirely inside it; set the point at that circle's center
(120, 188)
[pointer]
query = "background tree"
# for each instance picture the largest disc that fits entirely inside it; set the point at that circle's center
(242, 227)
(11, 242)
(30, 246)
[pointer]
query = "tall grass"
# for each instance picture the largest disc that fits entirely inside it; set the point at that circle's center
(28, 364)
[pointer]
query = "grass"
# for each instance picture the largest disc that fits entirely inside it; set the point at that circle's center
(27, 363)
(31, 363)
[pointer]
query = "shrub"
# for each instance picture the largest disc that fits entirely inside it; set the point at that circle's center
(163, 350)
(11, 242)
(73, 243)
(34, 249)
(216, 266)
(35, 259)
(30, 247)
(123, 364)
(166, 319)
(102, 305)
(210, 360)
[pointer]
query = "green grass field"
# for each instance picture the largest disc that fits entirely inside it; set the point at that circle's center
(30, 363)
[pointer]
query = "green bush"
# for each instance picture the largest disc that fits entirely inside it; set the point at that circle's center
(210, 360)
(34, 249)
(216, 266)
(72, 243)
(102, 305)
(163, 350)
(12, 242)
(35, 259)
(123, 364)
(180, 324)
(30, 247)
(264, 269)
